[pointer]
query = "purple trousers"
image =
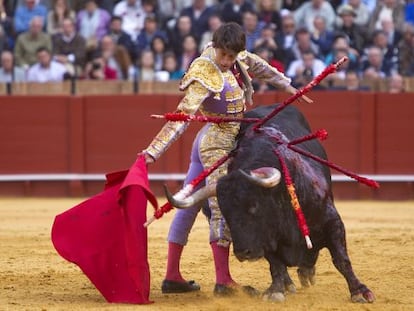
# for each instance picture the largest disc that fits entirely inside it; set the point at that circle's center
(184, 218)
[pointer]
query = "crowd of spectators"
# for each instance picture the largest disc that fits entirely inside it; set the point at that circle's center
(156, 40)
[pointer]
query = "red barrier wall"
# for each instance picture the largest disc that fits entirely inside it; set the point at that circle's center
(369, 133)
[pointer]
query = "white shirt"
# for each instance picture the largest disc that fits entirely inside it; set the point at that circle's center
(317, 67)
(39, 74)
(132, 17)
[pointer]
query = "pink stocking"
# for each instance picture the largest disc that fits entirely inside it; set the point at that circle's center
(221, 264)
(173, 263)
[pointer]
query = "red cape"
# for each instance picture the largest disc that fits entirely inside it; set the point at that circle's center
(105, 236)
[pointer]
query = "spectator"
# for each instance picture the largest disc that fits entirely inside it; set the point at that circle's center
(150, 30)
(339, 75)
(396, 84)
(46, 69)
(351, 82)
(285, 37)
(158, 47)
(132, 15)
(405, 50)
(233, 10)
(146, 66)
(117, 58)
(214, 22)
(120, 37)
(304, 43)
(252, 27)
(190, 52)
(267, 39)
(176, 36)
(393, 35)
(304, 69)
(356, 34)
(92, 24)
(25, 13)
(307, 12)
(199, 13)
(170, 10)
(387, 9)
(389, 52)
(373, 66)
(60, 11)
(27, 44)
(322, 37)
(359, 9)
(341, 43)
(171, 66)
(8, 71)
(269, 14)
(69, 48)
(98, 69)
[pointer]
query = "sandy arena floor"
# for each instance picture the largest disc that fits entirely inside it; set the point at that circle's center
(34, 277)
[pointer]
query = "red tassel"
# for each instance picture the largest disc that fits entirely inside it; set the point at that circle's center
(321, 134)
(303, 226)
(369, 182)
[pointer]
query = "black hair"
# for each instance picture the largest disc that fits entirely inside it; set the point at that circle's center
(231, 37)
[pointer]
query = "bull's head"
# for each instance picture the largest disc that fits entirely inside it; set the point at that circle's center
(240, 201)
(266, 177)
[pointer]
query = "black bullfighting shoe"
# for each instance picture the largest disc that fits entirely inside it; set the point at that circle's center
(221, 290)
(174, 287)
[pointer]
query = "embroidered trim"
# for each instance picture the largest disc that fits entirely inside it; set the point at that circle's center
(206, 72)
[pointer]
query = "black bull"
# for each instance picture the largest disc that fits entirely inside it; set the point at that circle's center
(261, 219)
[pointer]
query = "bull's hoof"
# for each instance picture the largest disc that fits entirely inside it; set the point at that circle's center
(363, 297)
(231, 290)
(274, 297)
(306, 276)
(291, 288)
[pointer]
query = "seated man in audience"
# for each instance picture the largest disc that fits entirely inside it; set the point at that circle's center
(69, 48)
(25, 13)
(29, 42)
(303, 70)
(9, 72)
(46, 69)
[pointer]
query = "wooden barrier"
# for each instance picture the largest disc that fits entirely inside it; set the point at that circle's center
(369, 133)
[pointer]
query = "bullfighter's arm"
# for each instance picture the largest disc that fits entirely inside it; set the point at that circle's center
(266, 73)
(195, 94)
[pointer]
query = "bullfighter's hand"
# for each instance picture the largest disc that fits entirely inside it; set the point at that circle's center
(148, 158)
(303, 99)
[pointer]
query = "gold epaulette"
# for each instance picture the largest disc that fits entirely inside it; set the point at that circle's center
(206, 72)
(242, 55)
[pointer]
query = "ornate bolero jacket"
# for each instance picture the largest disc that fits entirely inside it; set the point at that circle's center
(214, 92)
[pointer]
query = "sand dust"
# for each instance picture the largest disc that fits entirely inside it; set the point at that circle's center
(33, 277)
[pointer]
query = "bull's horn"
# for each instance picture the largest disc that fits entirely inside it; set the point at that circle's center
(196, 197)
(267, 177)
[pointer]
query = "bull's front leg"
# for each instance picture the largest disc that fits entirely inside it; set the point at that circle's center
(336, 243)
(281, 280)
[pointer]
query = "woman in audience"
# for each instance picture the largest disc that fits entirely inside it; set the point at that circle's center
(60, 11)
